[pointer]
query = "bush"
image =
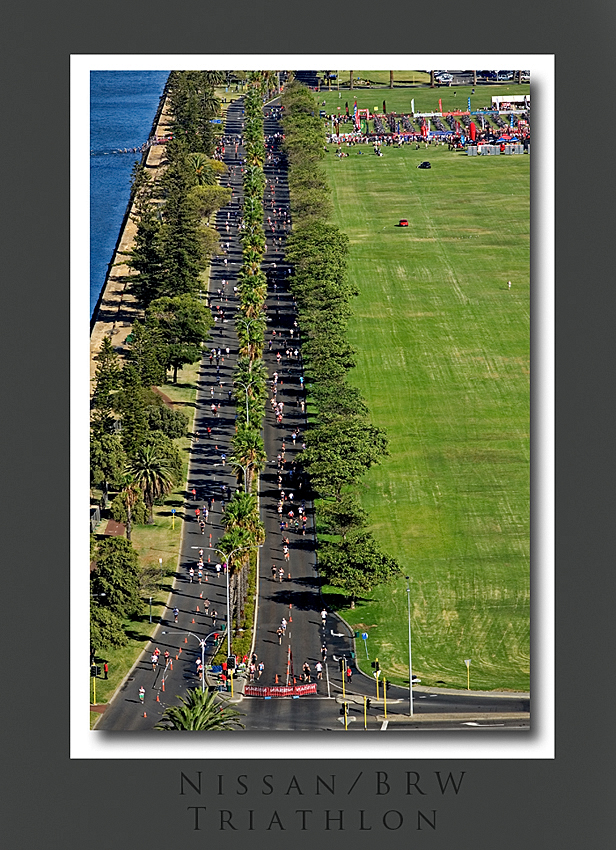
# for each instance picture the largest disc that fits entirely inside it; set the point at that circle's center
(119, 513)
(173, 423)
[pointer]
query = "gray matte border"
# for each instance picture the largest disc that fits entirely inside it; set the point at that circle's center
(562, 803)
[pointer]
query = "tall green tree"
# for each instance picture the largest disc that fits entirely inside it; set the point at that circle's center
(107, 461)
(106, 628)
(149, 354)
(107, 377)
(131, 406)
(339, 453)
(209, 199)
(356, 564)
(342, 516)
(183, 323)
(146, 258)
(115, 580)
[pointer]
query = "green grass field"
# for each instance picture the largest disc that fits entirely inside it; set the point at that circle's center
(443, 361)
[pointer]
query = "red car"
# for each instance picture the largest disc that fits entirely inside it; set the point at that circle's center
(403, 222)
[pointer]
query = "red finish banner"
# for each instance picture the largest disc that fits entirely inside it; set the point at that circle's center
(280, 690)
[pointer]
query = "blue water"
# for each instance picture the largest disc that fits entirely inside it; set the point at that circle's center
(122, 108)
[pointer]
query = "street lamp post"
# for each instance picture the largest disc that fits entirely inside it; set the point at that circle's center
(227, 558)
(202, 642)
(408, 599)
(249, 384)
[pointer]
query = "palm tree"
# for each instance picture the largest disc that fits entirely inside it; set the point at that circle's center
(152, 473)
(200, 712)
(251, 370)
(243, 512)
(253, 180)
(130, 494)
(214, 78)
(237, 543)
(255, 154)
(391, 79)
(253, 300)
(201, 166)
(248, 454)
(250, 336)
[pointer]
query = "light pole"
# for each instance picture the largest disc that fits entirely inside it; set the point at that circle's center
(226, 558)
(242, 384)
(408, 599)
(202, 642)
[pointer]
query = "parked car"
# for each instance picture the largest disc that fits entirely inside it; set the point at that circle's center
(424, 165)
(444, 78)
(404, 222)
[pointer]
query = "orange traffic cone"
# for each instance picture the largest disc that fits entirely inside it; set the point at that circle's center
(171, 662)
(157, 698)
(289, 576)
(185, 641)
(276, 678)
(193, 619)
(197, 609)
(290, 618)
(144, 714)
(201, 595)
(163, 685)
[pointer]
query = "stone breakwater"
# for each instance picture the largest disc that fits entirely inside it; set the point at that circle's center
(117, 309)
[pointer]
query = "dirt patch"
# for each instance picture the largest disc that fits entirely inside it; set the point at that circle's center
(116, 529)
(164, 397)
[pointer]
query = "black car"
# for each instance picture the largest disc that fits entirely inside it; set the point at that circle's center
(424, 165)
